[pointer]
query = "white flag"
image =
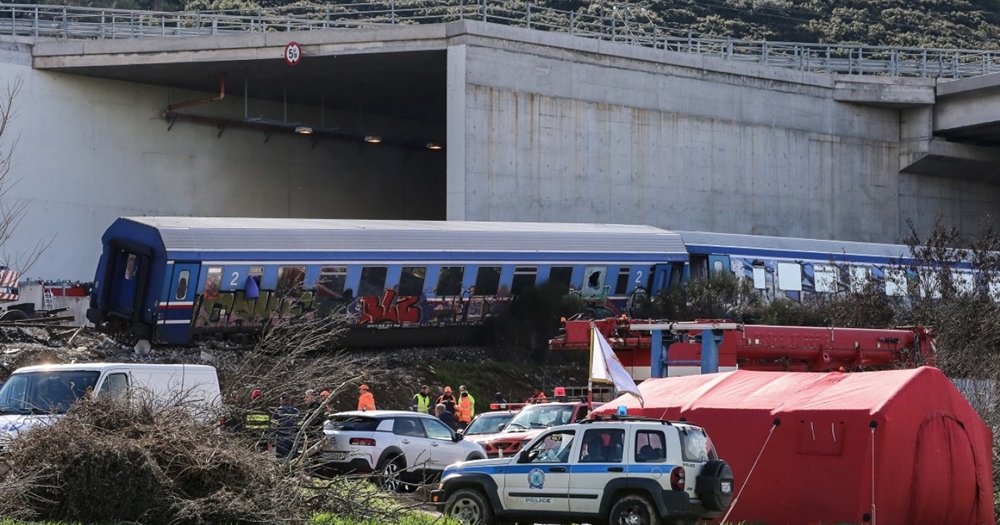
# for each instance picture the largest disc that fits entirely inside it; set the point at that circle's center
(605, 366)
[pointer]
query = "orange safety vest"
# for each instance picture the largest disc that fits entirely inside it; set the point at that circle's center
(366, 401)
(464, 409)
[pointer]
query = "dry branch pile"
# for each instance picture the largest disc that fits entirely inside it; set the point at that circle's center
(108, 460)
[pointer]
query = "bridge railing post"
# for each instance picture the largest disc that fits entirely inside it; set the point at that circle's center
(35, 28)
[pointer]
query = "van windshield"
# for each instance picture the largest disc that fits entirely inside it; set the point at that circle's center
(49, 392)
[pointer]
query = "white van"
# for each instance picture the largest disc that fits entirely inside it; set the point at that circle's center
(37, 394)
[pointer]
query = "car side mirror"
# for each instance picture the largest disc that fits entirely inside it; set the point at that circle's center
(501, 426)
(456, 437)
(522, 457)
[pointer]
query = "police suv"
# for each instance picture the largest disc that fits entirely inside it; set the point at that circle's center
(621, 470)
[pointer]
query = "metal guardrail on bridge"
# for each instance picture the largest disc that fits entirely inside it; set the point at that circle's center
(618, 25)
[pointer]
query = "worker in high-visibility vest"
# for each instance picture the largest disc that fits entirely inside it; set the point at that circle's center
(466, 406)
(422, 401)
(257, 422)
(366, 400)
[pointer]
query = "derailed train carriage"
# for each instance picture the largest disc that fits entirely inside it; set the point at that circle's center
(170, 279)
(174, 278)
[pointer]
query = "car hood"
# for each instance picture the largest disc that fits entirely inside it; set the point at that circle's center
(479, 465)
(519, 435)
(13, 424)
(483, 438)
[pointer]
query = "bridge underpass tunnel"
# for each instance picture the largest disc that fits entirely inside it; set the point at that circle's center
(331, 136)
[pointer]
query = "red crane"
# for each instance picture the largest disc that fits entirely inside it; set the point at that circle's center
(752, 347)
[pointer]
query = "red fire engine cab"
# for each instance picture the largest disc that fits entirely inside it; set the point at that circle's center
(649, 348)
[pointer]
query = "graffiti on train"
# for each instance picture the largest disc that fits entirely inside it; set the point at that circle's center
(235, 310)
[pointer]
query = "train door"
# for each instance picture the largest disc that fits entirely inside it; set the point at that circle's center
(176, 311)
(126, 283)
(660, 278)
(182, 286)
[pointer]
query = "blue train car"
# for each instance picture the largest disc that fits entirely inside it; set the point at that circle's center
(794, 268)
(170, 279)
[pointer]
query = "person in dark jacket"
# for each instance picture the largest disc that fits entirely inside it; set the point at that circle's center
(285, 426)
(446, 417)
(447, 399)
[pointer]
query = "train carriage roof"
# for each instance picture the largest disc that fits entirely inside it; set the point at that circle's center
(232, 234)
(790, 247)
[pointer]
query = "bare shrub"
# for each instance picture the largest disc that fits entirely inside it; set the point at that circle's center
(144, 462)
(174, 467)
(523, 330)
(722, 296)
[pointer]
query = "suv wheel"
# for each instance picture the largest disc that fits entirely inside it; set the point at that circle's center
(633, 510)
(714, 486)
(389, 476)
(469, 507)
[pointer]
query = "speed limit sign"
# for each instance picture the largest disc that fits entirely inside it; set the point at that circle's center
(293, 54)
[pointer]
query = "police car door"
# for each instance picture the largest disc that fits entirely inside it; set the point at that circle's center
(539, 480)
(599, 461)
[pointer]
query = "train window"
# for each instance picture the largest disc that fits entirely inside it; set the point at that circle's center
(995, 289)
(487, 280)
(130, 267)
(676, 274)
(450, 281)
(257, 274)
(332, 281)
(291, 279)
(759, 276)
(411, 280)
(895, 282)
(621, 285)
(860, 275)
(213, 283)
(182, 285)
(699, 267)
(789, 276)
(825, 278)
(524, 278)
(593, 282)
(372, 281)
(964, 282)
(931, 284)
(561, 275)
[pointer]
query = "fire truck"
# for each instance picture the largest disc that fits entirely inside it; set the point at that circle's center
(650, 348)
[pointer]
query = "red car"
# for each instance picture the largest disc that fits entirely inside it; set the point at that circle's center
(529, 422)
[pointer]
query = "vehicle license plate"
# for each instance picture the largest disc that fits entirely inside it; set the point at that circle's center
(727, 487)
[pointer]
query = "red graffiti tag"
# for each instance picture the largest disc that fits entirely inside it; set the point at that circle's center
(390, 308)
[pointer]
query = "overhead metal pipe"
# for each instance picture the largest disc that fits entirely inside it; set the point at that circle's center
(206, 100)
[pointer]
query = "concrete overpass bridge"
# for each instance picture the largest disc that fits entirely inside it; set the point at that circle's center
(548, 116)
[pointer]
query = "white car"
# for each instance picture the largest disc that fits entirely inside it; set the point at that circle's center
(618, 470)
(402, 448)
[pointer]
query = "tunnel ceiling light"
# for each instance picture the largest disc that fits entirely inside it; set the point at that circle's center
(434, 146)
(373, 139)
(303, 130)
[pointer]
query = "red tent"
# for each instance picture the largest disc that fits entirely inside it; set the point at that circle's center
(902, 445)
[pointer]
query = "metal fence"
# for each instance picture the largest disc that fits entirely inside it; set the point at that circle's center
(617, 25)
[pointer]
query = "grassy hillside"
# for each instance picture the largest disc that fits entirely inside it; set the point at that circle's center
(971, 24)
